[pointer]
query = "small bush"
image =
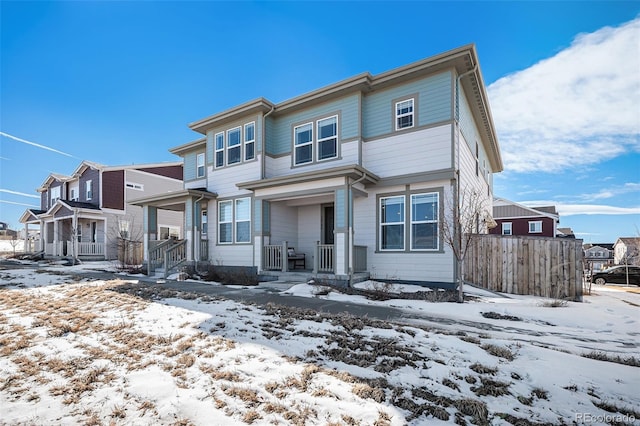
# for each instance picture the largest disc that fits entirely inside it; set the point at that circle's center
(602, 356)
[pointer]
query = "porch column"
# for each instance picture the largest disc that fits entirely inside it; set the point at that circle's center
(190, 230)
(27, 248)
(74, 235)
(56, 238)
(261, 232)
(342, 231)
(150, 227)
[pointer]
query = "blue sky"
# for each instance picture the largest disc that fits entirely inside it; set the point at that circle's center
(118, 82)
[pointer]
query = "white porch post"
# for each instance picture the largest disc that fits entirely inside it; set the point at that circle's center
(26, 238)
(342, 240)
(189, 226)
(260, 232)
(74, 235)
(56, 238)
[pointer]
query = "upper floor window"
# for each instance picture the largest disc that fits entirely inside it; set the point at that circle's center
(249, 141)
(55, 194)
(303, 140)
(324, 142)
(233, 146)
(219, 149)
(535, 227)
(88, 190)
(74, 194)
(404, 114)
(506, 228)
(327, 138)
(200, 165)
(136, 186)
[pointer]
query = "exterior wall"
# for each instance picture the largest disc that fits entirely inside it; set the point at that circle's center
(173, 172)
(282, 165)
(47, 200)
(189, 172)
(432, 101)
(520, 226)
(210, 143)
(152, 184)
(94, 176)
(223, 181)
(112, 189)
(406, 153)
(434, 266)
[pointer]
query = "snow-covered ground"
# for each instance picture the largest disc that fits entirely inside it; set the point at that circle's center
(79, 350)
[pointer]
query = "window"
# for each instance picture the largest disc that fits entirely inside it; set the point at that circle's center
(535, 227)
(74, 194)
(392, 223)
(55, 195)
(204, 223)
(89, 190)
(200, 165)
(167, 232)
(233, 146)
(234, 221)
(225, 222)
(249, 141)
(303, 141)
(327, 138)
(79, 232)
(243, 220)
(124, 229)
(424, 221)
(136, 186)
(219, 149)
(404, 114)
(506, 228)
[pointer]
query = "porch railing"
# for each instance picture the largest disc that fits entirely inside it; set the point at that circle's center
(90, 249)
(272, 257)
(174, 256)
(359, 258)
(323, 258)
(157, 249)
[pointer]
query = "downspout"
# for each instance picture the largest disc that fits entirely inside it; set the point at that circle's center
(264, 142)
(197, 256)
(458, 232)
(350, 213)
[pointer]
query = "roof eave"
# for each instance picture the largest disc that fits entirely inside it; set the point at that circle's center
(254, 106)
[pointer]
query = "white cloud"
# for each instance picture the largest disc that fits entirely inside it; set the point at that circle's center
(584, 209)
(576, 108)
(8, 191)
(37, 145)
(18, 204)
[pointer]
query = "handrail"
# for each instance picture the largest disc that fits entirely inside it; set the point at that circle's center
(156, 254)
(174, 256)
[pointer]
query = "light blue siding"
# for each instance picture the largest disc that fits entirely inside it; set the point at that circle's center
(433, 104)
(340, 208)
(279, 130)
(211, 135)
(190, 165)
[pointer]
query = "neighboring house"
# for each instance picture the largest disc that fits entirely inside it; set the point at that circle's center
(353, 176)
(5, 232)
(515, 219)
(598, 256)
(87, 214)
(626, 251)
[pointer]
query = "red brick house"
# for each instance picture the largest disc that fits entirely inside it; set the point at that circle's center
(515, 219)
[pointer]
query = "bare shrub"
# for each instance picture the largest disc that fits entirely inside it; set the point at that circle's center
(365, 391)
(499, 351)
(602, 356)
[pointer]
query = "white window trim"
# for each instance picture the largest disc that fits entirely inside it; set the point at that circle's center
(238, 145)
(412, 113)
(319, 140)
(534, 222)
(233, 221)
(510, 228)
(89, 190)
(219, 150)
(236, 221)
(436, 221)
(55, 194)
(382, 224)
(250, 141)
(200, 165)
(295, 145)
(220, 222)
(204, 223)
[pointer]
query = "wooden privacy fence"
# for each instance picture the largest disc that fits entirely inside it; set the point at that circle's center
(538, 266)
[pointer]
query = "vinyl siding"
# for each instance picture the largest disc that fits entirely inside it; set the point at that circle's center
(433, 104)
(282, 218)
(282, 166)
(308, 231)
(470, 131)
(223, 181)
(412, 152)
(113, 189)
(94, 177)
(153, 184)
(280, 129)
(424, 266)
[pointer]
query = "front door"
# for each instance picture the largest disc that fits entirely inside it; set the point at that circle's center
(328, 223)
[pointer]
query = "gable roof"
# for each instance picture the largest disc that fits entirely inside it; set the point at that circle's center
(507, 209)
(628, 241)
(463, 59)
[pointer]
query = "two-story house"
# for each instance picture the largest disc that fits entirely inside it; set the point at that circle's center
(515, 219)
(352, 177)
(626, 251)
(87, 214)
(598, 256)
